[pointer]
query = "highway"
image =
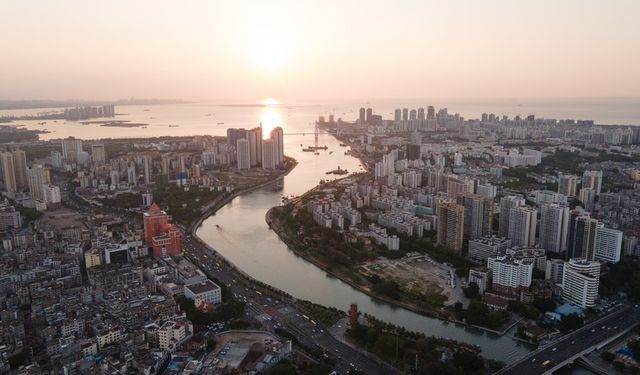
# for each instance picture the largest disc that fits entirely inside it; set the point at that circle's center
(574, 343)
(274, 312)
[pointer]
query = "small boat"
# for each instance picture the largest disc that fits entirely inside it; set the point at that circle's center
(330, 152)
(220, 123)
(217, 226)
(173, 126)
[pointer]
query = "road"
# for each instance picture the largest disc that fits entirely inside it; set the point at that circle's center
(276, 312)
(573, 343)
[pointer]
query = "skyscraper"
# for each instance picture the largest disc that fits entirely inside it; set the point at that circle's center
(567, 184)
(132, 176)
(98, 154)
(255, 146)
(506, 204)
(8, 173)
(588, 198)
(582, 235)
(580, 282)
(478, 215)
(70, 149)
(277, 135)
(38, 177)
(608, 244)
(592, 180)
(522, 226)
(20, 168)
(554, 225)
(397, 115)
(362, 118)
(146, 168)
(242, 150)
(268, 154)
(405, 114)
(450, 226)
(369, 114)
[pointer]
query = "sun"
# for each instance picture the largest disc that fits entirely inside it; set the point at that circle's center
(269, 53)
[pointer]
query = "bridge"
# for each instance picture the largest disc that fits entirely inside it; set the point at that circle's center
(573, 346)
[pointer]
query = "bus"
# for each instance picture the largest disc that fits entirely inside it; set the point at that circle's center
(546, 363)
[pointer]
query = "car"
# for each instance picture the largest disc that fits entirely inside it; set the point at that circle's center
(554, 349)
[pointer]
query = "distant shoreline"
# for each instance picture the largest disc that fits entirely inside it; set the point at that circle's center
(8, 105)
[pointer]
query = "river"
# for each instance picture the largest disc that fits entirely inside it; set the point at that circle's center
(245, 240)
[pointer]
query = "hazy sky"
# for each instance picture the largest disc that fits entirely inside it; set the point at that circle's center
(317, 50)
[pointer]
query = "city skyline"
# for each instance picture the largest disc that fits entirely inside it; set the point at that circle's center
(246, 51)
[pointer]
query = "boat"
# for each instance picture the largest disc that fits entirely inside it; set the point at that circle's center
(220, 123)
(217, 226)
(343, 145)
(330, 152)
(308, 149)
(173, 126)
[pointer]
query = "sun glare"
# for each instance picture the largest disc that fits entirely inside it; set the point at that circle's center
(269, 53)
(270, 119)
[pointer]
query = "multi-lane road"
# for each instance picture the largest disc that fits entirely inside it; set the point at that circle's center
(568, 346)
(277, 312)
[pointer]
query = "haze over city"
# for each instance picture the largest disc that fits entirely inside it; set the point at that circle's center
(296, 51)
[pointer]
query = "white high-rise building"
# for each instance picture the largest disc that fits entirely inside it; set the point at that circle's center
(506, 204)
(608, 244)
(487, 190)
(38, 177)
(98, 154)
(243, 156)
(268, 154)
(554, 225)
(580, 281)
(522, 226)
(56, 159)
(510, 274)
(51, 194)
(8, 173)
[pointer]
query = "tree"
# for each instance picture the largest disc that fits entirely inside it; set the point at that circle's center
(570, 323)
(469, 362)
(472, 291)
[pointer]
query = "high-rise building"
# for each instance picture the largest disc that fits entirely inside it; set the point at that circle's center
(431, 112)
(459, 185)
(8, 173)
(164, 238)
(510, 274)
(132, 176)
(478, 215)
(608, 244)
(582, 236)
(98, 153)
(506, 204)
(592, 180)
(255, 146)
(56, 159)
(38, 177)
(554, 226)
(268, 154)
(369, 115)
(588, 198)
(146, 168)
(362, 118)
(277, 135)
(397, 115)
(450, 226)
(20, 168)
(70, 149)
(482, 248)
(51, 196)
(554, 270)
(9, 216)
(487, 190)
(522, 226)
(243, 157)
(405, 114)
(580, 282)
(567, 184)
(234, 134)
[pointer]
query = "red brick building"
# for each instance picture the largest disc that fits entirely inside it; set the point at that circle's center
(163, 237)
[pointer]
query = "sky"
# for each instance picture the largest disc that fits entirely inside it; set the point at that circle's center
(305, 50)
